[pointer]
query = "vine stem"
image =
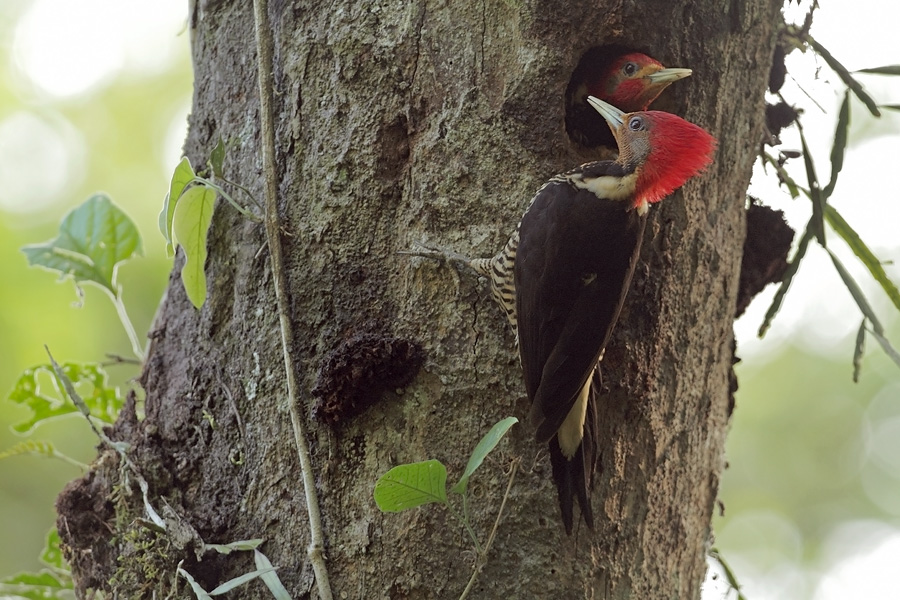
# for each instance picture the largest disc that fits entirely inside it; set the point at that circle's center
(482, 555)
(464, 520)
(264, 50)
(129, 328)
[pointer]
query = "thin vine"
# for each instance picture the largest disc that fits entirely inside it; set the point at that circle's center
(264, 48)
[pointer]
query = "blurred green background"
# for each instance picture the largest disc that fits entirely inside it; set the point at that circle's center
(94, 97)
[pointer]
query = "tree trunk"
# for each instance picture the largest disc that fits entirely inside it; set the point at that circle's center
(401, 123)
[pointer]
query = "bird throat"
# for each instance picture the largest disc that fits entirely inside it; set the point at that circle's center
(610, 187)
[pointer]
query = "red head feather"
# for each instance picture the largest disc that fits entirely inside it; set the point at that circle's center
(627, 92)
(678, 151)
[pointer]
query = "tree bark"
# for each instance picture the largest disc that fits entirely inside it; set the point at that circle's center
(435, 123)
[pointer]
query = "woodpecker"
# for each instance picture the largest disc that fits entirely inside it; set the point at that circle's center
(630, 82)
(572, 260)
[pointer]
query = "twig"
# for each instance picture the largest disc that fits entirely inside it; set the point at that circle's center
(482, 556)
(117, 359)
(264, 49)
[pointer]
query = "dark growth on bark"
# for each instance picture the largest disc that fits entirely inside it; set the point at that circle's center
(354, 375)
(779, 70)
(765, 252)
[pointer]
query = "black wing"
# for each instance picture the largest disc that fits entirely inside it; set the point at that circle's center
(574, 264)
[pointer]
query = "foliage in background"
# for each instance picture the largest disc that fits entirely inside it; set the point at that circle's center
(798, 38)
(118, 135)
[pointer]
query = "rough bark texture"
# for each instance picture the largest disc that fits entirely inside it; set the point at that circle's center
(404, 122)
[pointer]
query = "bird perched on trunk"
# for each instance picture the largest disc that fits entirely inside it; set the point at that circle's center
(563, 275)
(630, 82)
(568, 269)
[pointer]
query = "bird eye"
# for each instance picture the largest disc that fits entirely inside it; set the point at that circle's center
(635, 123)
(629, 69)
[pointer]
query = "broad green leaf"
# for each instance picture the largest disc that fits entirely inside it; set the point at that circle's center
(861, 250)
(181, 177)
(858, 350)
(270, 579)
(818, 201)
(239, 581)
(102, 401)
(487, 443)
(885, 70)
(789, 273)
(193, 216)
(93, 239)
(845, 76)
(840, 144)
(198, 590)
(217, 158)
(411, 485)
(229, 548)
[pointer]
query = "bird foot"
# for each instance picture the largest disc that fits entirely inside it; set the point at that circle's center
(447, 256)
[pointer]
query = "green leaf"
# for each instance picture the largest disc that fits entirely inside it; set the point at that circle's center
(181, 177)
(487, 443)
(193, 216)
(729, 574)
(37, 586)
(786, 280)
(857, 293)
(818, 201)
(886, 346)
(840, 144)
(845, 76)
(229, 548)
(198, 590)
(885, 70)
(412, 485)
(52, 555)
(270, 579)
(41, 448)
(861, 250)
(93, 239)
(102, 401)
(217, 158)
(239, 581)
(858, 350)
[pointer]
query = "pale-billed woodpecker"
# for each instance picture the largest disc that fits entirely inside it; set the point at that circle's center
(568, 268)
(630, 82)
(563, 275)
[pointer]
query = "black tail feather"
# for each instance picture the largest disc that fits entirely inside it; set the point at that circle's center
(574, 476)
